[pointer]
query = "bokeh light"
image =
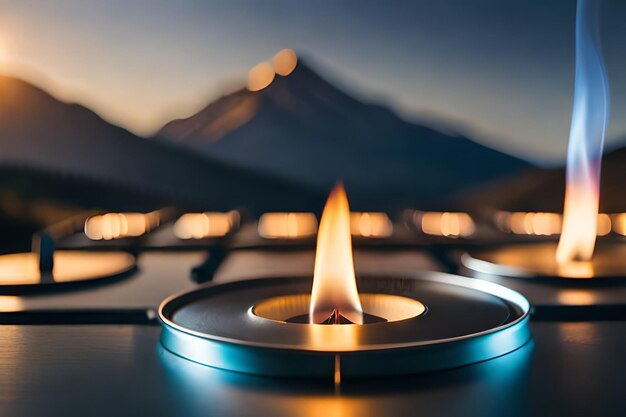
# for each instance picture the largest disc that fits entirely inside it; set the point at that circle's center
(287, 225)
(285, 62)
(205, 225)
(260, 76)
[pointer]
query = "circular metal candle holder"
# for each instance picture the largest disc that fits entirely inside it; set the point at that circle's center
(432, 321)
(20, 272)
(531, 269)
(537, 260)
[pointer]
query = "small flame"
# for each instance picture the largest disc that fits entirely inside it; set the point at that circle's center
(589, 121)
(334, 281)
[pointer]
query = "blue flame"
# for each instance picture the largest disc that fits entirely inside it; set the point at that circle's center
(589, 121)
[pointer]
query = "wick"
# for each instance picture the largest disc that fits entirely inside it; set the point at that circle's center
(336, 318)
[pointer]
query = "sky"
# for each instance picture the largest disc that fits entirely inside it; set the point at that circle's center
(501, 71)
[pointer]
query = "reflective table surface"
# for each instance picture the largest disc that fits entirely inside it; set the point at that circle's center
(118, 368)
(570, 369)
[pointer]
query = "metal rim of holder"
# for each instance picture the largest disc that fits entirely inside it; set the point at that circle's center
(239, 356)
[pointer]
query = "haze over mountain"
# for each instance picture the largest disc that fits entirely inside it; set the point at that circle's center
(304, 128)
(65, 152)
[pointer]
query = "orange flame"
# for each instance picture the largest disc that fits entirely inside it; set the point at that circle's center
(590, 115)
(578, 237)
(334, 281)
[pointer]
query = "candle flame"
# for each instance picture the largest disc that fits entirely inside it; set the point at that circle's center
(334, 281)
(588, 127)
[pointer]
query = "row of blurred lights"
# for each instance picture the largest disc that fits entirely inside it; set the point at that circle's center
(262, 75)
(120, 225)
(549, 224)
(218, 224)
(300, 225)
(292, 225)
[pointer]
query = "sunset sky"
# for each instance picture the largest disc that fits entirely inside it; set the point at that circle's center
(500, 70)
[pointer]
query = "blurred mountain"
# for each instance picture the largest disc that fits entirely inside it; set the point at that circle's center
(65, 153)
(544, 189)
(304, 128)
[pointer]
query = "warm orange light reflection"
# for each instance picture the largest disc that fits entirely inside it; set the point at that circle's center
(334, 281)
(449, 224)
(11, 303)
(118, 225)
(337, 374)
(578, 333)
(370, 224)
(576, 297)
(333, 338)
(238, 113)
(23, 268)
(390, 307)
(260, 76)
(204, 225)
(285, 62)
(287, 225)
(575, 269)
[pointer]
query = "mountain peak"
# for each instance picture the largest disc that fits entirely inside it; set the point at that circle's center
(285, 86)
(285, 68)
(292, 122)
(45, 137)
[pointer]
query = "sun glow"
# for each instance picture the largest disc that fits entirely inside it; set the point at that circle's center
(334, 281)
(5, 53)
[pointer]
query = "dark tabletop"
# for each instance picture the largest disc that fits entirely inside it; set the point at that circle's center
(570, 368)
